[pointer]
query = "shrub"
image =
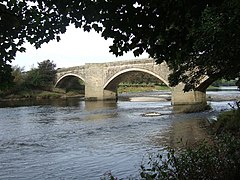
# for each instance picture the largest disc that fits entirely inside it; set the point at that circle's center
(218, 161)
(228, 122)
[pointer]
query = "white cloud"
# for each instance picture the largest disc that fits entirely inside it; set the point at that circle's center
(75, 48)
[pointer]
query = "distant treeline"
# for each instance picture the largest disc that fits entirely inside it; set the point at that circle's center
(40, 78)
(141, 78)
(224, 82)
(71, 83)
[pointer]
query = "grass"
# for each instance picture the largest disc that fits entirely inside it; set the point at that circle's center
(47, 95)
(34, 94)
(41, 94)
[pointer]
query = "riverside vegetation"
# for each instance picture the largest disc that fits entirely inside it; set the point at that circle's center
(38, 83)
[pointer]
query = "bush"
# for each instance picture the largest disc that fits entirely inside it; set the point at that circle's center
(218, 161)
(48, 95)
(228, 122)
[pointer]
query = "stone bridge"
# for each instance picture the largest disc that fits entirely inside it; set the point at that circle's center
(101, 79)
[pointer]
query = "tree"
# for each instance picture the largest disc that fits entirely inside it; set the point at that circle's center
(47, 71)
(137, 77)
(34, 21)
(196, 38)
(42, 77)
(71, 83)
(19, 78)
(6, 78)
(18, 74)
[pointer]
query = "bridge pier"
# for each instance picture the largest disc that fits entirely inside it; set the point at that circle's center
(94, 86)
(191, 101)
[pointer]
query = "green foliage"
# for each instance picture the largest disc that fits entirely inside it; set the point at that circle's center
(191, 36)
(34, 21)
(217, 161)
(47, 72)
(195, 38)
(223, 82)
(71, 83)
(33, 79)
(19, 79)
(136, 77)
(6, 78)
(18, 74)
(228, 122)
(48, 95)
(42, 77)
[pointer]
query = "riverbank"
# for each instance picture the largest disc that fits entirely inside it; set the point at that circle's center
(40, 94)
(57, 93)
(219, 97)
(131, 93)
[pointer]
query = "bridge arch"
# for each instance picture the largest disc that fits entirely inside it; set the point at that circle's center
(120, 73)
(67, 75)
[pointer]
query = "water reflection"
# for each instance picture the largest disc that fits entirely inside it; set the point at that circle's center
(98, 105)
(189, 108)
(101, 109)
(188, 132)
(72, 102)
(182, 133)
(100, 116)
(63, 102)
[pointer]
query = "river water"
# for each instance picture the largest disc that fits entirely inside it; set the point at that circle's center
(73, 139)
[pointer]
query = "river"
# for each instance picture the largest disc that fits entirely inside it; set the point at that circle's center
(74, 139)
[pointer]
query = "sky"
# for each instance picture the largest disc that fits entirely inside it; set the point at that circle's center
(75, 48)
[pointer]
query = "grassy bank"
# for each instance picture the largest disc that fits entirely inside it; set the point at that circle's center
(60, 93)
(40, 94)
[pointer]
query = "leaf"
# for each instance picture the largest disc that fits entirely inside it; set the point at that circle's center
(96, 27)
(138, 51)
(58, 38)
(78, 24)
(22, 49)
(87, 28)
